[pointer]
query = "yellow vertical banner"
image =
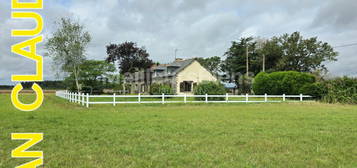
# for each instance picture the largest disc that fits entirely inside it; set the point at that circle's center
(23, 152)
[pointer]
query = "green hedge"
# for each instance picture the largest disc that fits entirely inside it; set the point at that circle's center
(341, 90)
(210, 88)
(278, 83)
(317, 90)
(158, 89)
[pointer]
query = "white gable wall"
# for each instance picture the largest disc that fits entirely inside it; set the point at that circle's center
(194, 72)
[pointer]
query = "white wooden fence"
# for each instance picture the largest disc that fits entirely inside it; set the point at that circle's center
(86, 99)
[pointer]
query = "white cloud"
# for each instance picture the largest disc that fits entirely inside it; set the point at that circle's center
(196, 27)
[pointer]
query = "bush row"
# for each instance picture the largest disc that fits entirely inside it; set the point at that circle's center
(158, 89)
(278, 83)
(210, 88)
(339, 90)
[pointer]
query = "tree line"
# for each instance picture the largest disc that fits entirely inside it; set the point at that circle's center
(244, 59)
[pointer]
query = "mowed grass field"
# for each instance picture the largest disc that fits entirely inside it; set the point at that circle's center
(178, 135)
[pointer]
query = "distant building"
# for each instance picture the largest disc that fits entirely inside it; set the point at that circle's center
(182, 75)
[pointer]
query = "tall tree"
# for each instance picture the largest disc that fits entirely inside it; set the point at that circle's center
(129, 57)
(96, 74)
(284, 53)
(213, 64)
(304, 55)
(235, 64)
(92, 70)
(269, 54)
(236, 61)
(67, 47)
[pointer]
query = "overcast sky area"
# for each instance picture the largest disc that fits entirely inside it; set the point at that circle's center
(198, 28)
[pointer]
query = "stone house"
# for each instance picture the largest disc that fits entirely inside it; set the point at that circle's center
(182, 75)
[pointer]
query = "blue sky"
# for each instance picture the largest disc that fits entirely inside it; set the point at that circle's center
(198, 28)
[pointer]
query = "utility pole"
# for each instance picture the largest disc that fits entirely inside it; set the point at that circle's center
(263, 62)
(247, 60)
(176, 53)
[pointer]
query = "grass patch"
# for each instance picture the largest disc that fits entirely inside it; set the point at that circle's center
(179, 135)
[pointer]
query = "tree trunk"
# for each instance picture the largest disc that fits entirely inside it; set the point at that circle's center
(76, 78)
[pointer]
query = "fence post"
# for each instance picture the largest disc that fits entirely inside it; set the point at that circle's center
(83, 99)
(76, 98)
(70, 97)
(227, 97)
(139, 97)
(87, 100)
(284, 97)
(301, 98)
(206, 98)
(79, 98)
(266, 97)
(163, 98)
(185, 98)
(246, 97)
(114, 101)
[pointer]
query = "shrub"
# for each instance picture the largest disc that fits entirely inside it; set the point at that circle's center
(261, 83)
(277, 83)
(317, 90)
(341, 90)
(158, 89)
(210, 88)
(245, 84)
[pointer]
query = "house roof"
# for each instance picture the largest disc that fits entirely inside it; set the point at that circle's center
(230, 85)
(179, 64)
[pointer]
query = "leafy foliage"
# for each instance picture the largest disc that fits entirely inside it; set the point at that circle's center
(210, 88)
(236, 56)
(94, 75)
(341, 90)
(129, 57)
(213, 64)
(245, 84)
(285, 53)
(278, 83)
(158, 89)
(317, 90)
(67, 48)
(304, 55)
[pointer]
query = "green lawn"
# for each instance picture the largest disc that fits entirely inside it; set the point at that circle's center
(178, 135)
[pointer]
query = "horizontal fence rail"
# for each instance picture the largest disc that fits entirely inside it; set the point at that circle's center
(86, 99)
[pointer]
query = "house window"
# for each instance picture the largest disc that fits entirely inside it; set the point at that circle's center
(186, 86)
